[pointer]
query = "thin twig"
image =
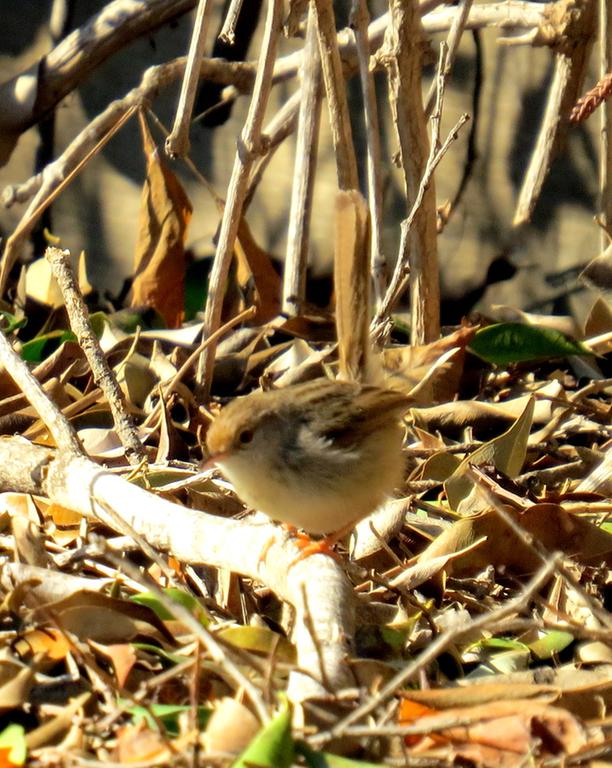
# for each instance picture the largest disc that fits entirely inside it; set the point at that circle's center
(104, 376)
(228, 30)
(177, 144)
(570, 66)
(401, 56)
(605, 153)
(280, 126)
(335, 90)
(400, 275)
(471, 154)
(249, 146)
(452, 43)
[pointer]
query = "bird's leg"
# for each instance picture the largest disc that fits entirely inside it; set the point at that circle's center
(324, 546)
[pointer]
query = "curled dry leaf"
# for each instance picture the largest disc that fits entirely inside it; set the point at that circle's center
(93, 616)
(502, 733)
(550, 525)
(430, 373)
(159, 260)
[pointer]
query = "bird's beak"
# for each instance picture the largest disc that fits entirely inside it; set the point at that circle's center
(214, 461)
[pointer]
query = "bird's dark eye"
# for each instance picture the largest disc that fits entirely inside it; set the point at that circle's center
(245, 436)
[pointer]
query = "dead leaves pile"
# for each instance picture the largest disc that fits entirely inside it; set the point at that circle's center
(508, 424)
(93, 661)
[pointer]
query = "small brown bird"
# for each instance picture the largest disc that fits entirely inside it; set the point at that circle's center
(319, 456)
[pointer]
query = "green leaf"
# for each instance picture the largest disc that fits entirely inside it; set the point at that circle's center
(261, 640)
(168, 715)
(188, 601)
(273, 746)
(499, 643)
(551, 643)
(12, 741)
(507, 343)
(37, 349)
(155, 650)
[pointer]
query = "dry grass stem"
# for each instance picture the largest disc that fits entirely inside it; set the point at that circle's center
(306, 151)
(335, 90)
(177, 144)
(570, 69)
(249, 146)
(401, 57)
(452, 44)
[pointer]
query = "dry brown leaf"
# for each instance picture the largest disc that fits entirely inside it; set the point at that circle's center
(259, 282)
(599, 319)
(506, 453)
(598, 271)
(121, 655)
(48, 646)
(550, 525)
(16, 680)
(429, 373)
(93, 616)
(504, 733)
(477, 414)
(159, 260)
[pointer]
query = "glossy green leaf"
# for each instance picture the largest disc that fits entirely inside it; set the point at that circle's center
(36, 350)
(507, 343)
(273, 746)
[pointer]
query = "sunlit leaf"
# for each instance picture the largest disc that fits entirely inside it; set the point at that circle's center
(273, 746)
(184, 599)
(507, 343)
(39, 348)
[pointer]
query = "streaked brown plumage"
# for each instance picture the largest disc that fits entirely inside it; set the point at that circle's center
(319, 456)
